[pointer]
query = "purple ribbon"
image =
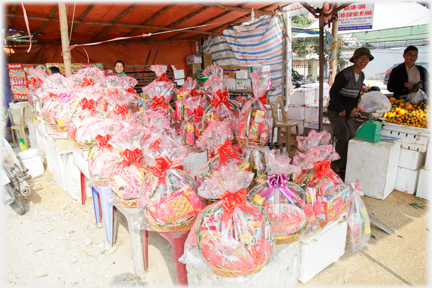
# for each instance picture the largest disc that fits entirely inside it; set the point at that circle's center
(279, 181)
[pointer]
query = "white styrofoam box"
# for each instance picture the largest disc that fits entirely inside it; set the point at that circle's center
(178, 74)
(281, 271)
(413, 138)
(80, 159)
(193, 59)
(179, 82)
(33, 135)
(406, 180)
(300, 128)
(411, 159)
(231, 83)
(311, 113)
(296, 112)
(195, 161)
(423, 184)
(374, 165)
(428, 161)
(243, 84)
(322, 249)
(302, 96)
(242, 74)
(259, 68)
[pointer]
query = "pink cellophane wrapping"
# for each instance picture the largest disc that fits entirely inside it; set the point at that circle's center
(189, 85)
(91, 127)
(192, 103)
(227, 239)
(158, 89)
(87, 106)
(39, 77)
(118, 107)
(89, 76)
(101, 163)
(164, 146)
(192, 128)
(58, 82)
(212, 72)
(155, 121)
(158, 69)
(215, 84)
(313, 139)
(315, 154)
(131, 137)
(254, 121)
(279, 164)
(215, 135)
(220, 110)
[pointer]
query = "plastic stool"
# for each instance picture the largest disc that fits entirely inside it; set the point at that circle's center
(139, 253)
(100, 200)
(177, 241)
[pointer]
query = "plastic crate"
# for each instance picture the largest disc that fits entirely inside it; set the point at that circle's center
(412, 138)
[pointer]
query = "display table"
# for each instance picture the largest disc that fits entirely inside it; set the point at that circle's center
(374, 165)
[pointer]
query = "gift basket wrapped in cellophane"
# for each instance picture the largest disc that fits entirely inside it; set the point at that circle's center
(155, 121)
(325, 191)
(168, 195)
(103, 156)
(127, 174)
(161, 80)
(254, 121)
(212, 72)
(187, 92)
(217, 141)
(87, 105)
(87, 77)
(220, 109)
(233, 235)
(255, 160)
(282, 199)
(192, 127)
(118, 107)
(57, 111)
(85, 136)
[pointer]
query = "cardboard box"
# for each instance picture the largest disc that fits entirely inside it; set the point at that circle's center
(75, 67)
(179, 82)
(97, 65)
(193, 59)
(243, 84)
(15, 66)
(192, 70)
(411, 159)
(231, 84)
(86, 65)
(406, 180)
(296, 112)
(333, 205)
(178, 74)
(230, 74)
(27, 67)
(242, 74)
(207, 60)
(259, 68)
(302, 96)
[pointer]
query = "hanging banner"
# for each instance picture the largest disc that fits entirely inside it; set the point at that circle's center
(356, 16)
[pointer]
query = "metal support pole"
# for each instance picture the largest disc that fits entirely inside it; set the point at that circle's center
(335, 26)
(321, 70)
(65, 39)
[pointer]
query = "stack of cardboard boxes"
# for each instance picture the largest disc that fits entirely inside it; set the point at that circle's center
(196, 65)
(239, 76)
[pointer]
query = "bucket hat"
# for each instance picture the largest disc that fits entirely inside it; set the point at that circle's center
(360, 52)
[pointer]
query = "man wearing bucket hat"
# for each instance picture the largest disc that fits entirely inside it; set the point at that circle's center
(344, 98)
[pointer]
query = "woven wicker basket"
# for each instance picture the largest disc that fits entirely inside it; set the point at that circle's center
(60, 128)
(156, 226)
(233, 273)
(290, 238)
(243, 143)
(130, 203)
(85, 146)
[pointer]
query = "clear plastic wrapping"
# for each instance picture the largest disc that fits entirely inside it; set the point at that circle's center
(374, 101)
(91, 127)
(164, 146)
(88, 76)
(254, 121)
(126, 176)
(233, 234)
(155, 121)
(359, 232)
(36, 78)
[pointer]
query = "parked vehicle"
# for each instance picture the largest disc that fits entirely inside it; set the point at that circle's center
(12, 178)
(388, 72)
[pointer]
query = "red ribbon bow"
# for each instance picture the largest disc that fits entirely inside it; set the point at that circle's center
(53, 95)
(33, 81)
(323, 169)
(163, 77)
(227, 150)
(102, 141)
(132, 156)
(199, 112)
(87, 82)
(162, 165)
(87, 104)
(263, 99)
(131, 89)
(159, 102)
(233, 200)
(121, 110)
(222, 97)
(194, 92)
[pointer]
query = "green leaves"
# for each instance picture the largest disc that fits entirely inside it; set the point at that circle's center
(415, 205)
(373, 237)
(38, 250)
(400, 236)
(103, 252)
